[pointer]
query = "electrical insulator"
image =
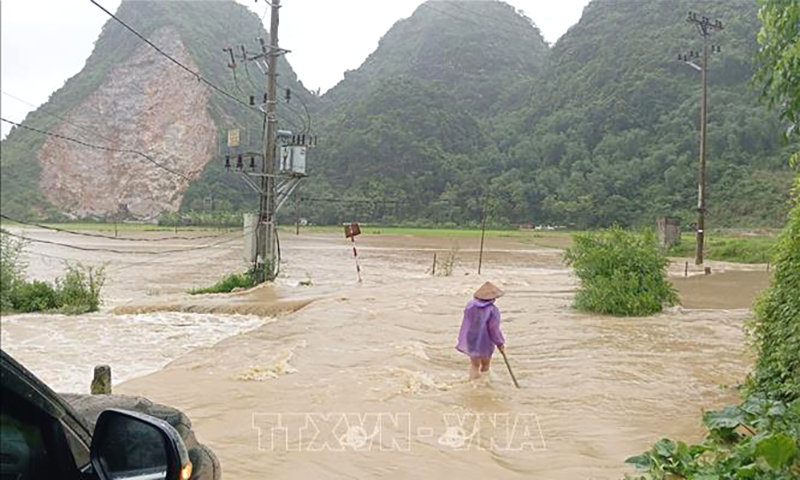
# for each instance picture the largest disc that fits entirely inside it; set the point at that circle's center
(228, 163)
(265, 98)
(252, 100)
(288, 95)
(239, 162)
(252, 163)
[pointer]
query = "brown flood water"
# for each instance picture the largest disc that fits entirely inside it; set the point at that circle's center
(364, 382)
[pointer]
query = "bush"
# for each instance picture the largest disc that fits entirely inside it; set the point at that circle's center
(621, 273)
(35, 296)
(12, 268)
(245, 280)
(775, 330)
(79, 290)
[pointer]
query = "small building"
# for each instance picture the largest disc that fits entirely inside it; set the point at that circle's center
(668, 231)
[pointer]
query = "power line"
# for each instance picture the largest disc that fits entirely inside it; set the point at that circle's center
(100, 147)
(123, 252)
(96, 235)
(42, 110)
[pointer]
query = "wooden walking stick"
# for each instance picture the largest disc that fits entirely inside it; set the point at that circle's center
(511, 372)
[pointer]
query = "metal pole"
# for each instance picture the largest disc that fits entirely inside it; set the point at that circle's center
(701, 180)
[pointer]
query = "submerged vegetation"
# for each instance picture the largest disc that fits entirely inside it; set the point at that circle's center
(621, 273)
(78, 291)
(245, 280)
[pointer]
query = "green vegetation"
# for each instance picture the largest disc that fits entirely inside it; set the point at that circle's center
(728, 248)
(79, 290)
(779, 58)
(776, 326)
(75, 293)
(12, 268)
(244, 280)
(621, 273)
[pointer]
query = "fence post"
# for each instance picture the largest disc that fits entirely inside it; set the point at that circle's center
(101, 383)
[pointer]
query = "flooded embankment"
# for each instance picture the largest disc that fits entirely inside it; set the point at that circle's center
(364, 381)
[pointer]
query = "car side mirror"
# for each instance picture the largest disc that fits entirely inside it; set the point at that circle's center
(131, 445)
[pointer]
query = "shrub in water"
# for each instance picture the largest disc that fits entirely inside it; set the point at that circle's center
(245, 280)
(12, 269)
(621, 273)
(35, 296)
(79, 290)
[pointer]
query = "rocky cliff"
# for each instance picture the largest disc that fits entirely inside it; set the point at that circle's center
(146, 105)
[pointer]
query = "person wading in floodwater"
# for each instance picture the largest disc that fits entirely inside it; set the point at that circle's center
(480, 329)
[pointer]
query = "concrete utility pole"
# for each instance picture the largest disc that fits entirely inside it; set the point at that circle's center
(265, 240)
(284, 155)
(705, 28)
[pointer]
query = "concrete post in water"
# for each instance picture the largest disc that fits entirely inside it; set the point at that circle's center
(101, 383)
(668, 231)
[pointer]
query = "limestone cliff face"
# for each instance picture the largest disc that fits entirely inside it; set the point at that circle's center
(146, 104)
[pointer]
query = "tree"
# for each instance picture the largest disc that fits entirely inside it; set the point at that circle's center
(779, 58)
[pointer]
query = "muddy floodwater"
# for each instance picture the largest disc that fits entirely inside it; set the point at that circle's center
(323, 377)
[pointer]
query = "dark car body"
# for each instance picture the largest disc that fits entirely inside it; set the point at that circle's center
(44, 436)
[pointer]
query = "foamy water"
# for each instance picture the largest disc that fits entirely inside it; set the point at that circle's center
(63, 350)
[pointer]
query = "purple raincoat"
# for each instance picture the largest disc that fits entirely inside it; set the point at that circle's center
(480, 329)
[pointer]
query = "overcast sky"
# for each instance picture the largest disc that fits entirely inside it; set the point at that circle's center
(44, 42)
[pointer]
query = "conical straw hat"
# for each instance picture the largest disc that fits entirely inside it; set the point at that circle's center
(488, 291)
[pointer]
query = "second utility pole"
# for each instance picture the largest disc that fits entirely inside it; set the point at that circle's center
(704, 27)
(267, 238)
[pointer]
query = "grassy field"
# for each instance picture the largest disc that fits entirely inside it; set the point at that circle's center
(541, 238)
(729, 247)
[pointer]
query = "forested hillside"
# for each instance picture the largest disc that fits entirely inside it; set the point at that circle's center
(610, 131)
(602, 130)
